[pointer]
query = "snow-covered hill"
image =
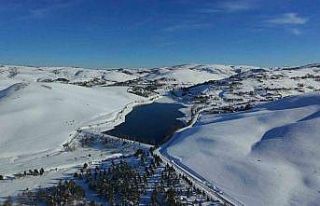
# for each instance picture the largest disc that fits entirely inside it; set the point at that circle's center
(191, 74)
(42, 108)
(251, 86)
(42, 116)
(58, 100)
(265, 156)
(182, 74)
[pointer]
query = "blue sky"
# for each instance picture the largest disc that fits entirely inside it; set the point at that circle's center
(150, 33)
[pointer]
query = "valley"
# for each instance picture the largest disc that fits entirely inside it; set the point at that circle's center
(242, 130)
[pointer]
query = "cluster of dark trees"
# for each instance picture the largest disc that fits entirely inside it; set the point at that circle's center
(144, 91)
(120, 183)
(165, 193)
(160, 196)
(87, 141)
(123, 185)
(34, 172)
(170, 190)
(90, 83)
(65, 193)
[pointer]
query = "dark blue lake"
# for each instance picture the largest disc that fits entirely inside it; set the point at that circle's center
(152, 123)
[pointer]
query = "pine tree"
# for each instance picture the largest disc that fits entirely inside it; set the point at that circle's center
(41, 171)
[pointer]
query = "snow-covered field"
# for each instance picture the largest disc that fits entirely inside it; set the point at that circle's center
(38, 118)
(58, 108)
(42, 108)
(265, 156)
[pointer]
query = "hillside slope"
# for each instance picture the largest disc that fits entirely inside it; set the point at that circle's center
(42, 116)
(265, 156)
(191, 74)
